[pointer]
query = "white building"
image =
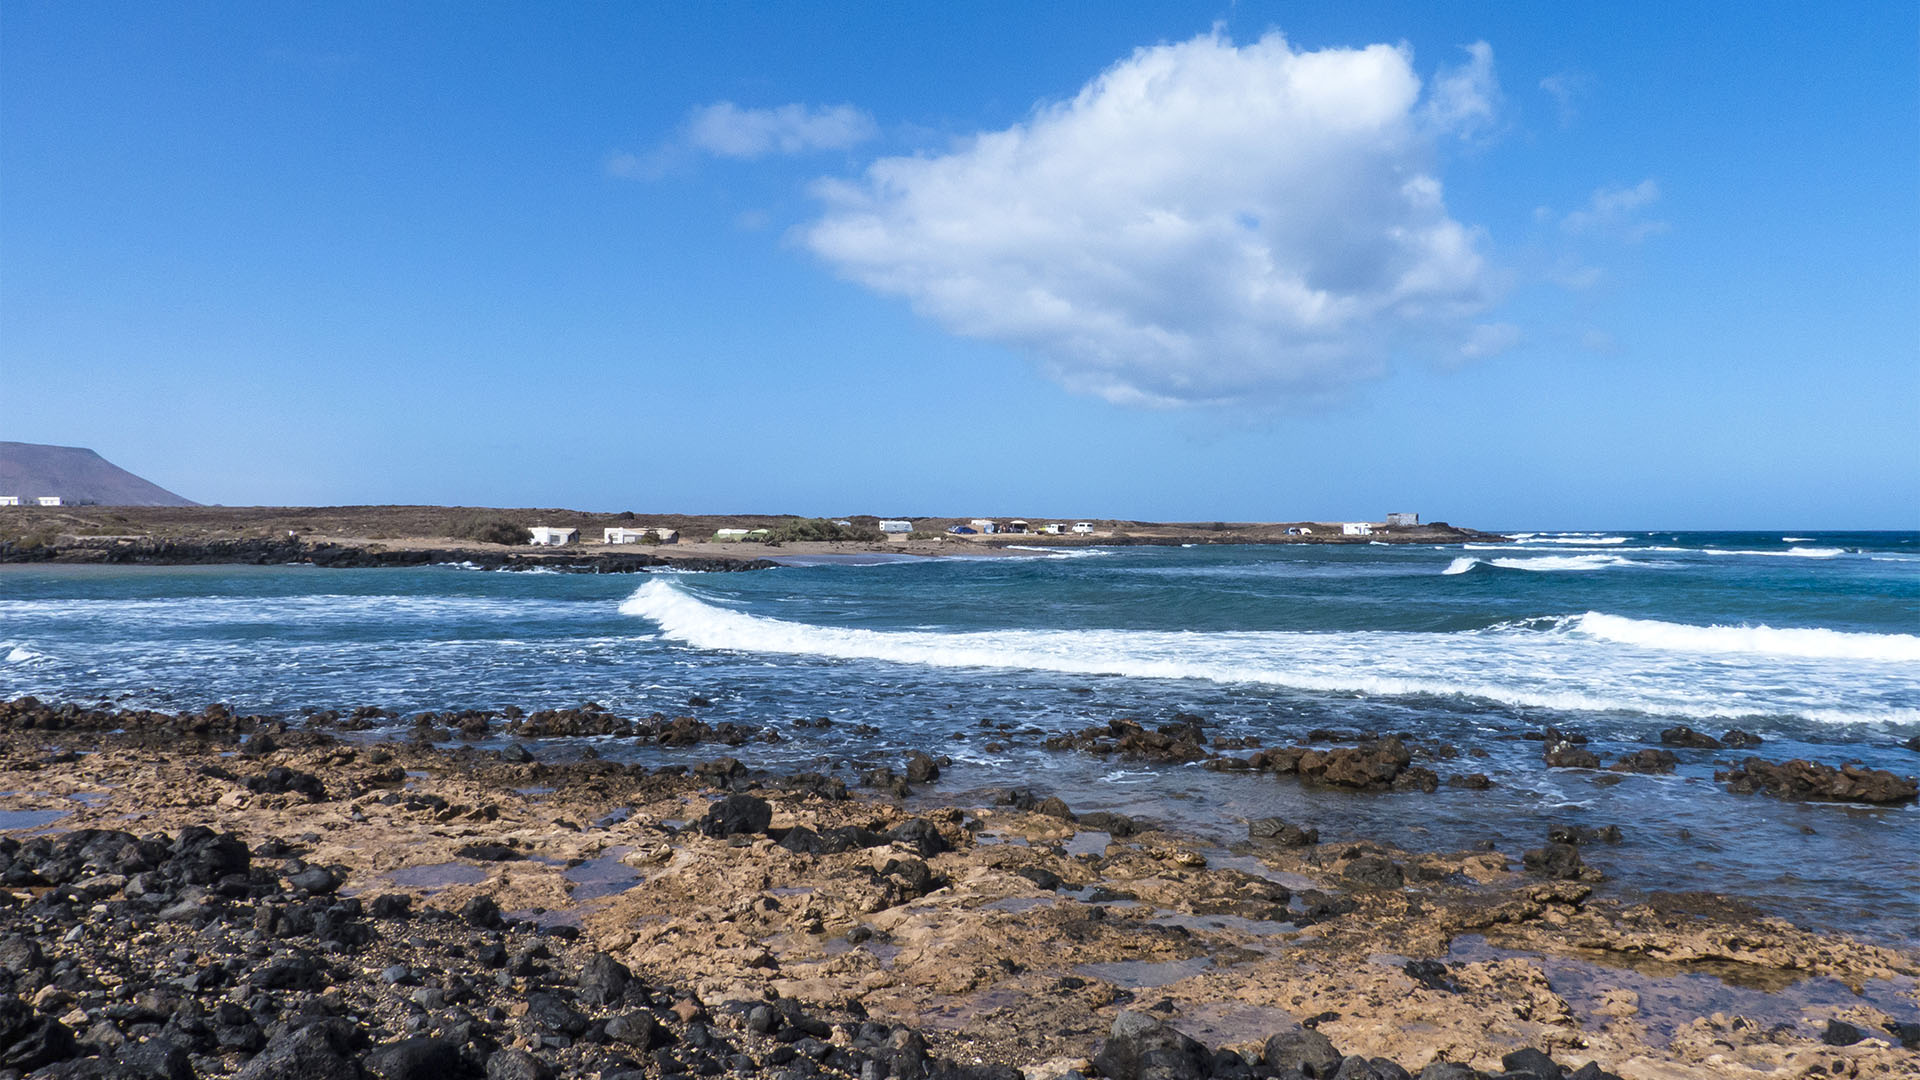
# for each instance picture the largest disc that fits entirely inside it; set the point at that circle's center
(1083, 528)
(1355, 528)
(48, 500)
(730, 534)
(1403, 521)
(543, 536)
(895, 527)
(984, 525)
(9, 500)
(625, 536)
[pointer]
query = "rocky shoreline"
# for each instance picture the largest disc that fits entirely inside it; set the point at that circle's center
(118, 551)
(213, 894)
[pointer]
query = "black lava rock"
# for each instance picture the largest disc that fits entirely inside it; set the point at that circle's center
(417, 1059)
(1559, 861)
(1141, 1047)
(1531, 1063)
(1301, 1049)
(27, 1040)
(603, 980)
(736, 815)
(1374, 872)
(1841, 1033)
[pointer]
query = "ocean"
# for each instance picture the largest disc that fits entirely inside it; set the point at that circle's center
(1809, 640)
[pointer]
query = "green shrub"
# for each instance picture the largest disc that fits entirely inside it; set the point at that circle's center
(820, 529)
(490, 530)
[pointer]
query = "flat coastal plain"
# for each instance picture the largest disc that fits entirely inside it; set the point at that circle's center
(412, 535)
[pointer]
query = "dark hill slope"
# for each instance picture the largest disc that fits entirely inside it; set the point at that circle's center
(78, 475)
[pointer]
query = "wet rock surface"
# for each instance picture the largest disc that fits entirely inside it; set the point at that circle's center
(425, 918)
(1810, 780)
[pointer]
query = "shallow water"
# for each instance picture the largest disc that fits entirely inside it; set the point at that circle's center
(1811, 643)
(1671, 996)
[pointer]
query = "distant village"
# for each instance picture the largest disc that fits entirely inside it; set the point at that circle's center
(37, 500)
(899, 530)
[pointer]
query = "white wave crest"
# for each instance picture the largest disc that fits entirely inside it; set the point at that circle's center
(1796, 539)
(20, 654)
(1812, 643)
(1511, 665)
(1065, 552)
(1577, 539)
(1798, 552)
(1546, 563)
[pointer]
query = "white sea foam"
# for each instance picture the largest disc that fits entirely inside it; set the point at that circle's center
(20, 654)
(1580, 539)
(1547, 563)
(1812, 642)
(1796, 539)
(1062, 552)
(278, 610)
(1551, 666)
(1797, 552)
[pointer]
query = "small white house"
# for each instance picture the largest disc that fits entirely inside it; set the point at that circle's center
(1403, 521)
(544, 536)
(984, 526)
(48, 500)
(895, 527)
(1355, 528)
(9, 500)
(1083, 528)
(625, 536)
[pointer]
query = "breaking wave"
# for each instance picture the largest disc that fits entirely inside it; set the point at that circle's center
(1576, 539)
(1512, 665)
(1545, 563)
(20, 654)
(1812, 643)
(1796, 552)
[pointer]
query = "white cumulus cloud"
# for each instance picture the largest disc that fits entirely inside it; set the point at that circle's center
(1203, 222)
(727, 130)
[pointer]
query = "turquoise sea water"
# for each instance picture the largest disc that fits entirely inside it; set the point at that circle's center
(1811, 640)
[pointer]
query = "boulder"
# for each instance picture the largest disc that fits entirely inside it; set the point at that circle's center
(1687, 737)
(1532, 1064)
(1141, 1047)
(1302, 1049)
(1799, 779)
(517, 1065)
(1559, 861)
(1374, 872)
(1646, 761)
(315, 1052)
(736, 815)
(603, 980)
(417, 1059)
(27, 1040)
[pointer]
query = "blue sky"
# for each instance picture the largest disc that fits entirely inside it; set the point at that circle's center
(1519, 266)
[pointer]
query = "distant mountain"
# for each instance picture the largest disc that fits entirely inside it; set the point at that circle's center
(78, 475)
